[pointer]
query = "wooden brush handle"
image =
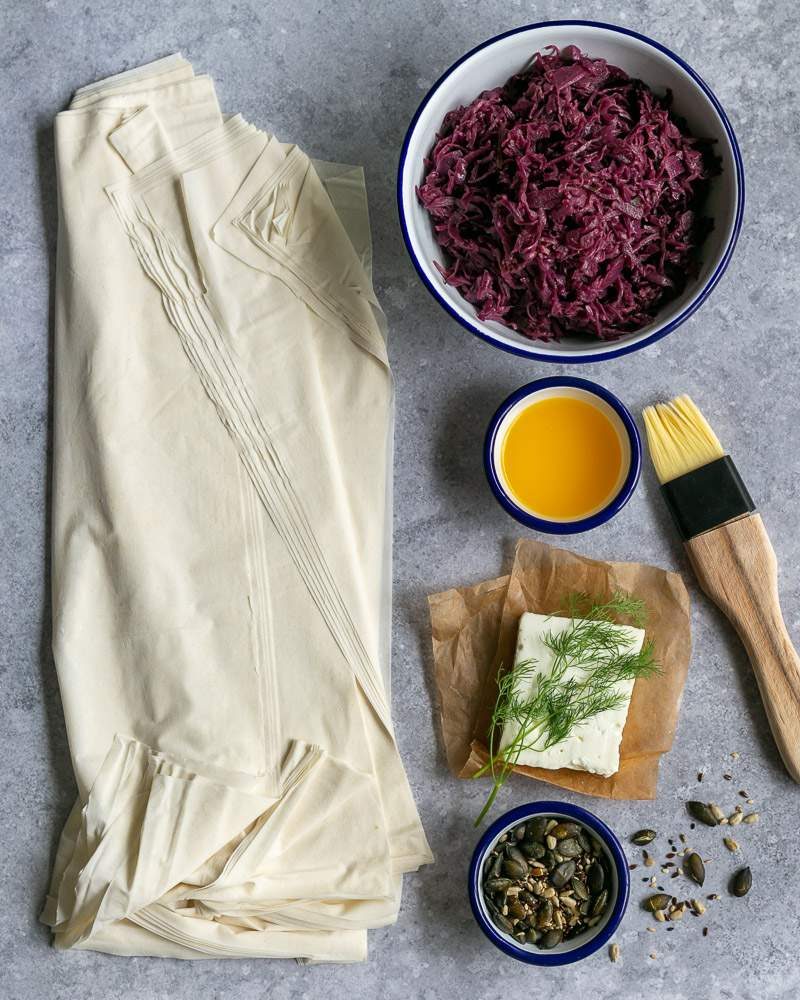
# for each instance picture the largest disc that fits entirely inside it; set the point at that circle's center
(737, 568)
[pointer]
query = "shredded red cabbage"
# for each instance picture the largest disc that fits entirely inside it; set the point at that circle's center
(568, 200)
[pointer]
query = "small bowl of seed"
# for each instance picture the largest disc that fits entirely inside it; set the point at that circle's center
(549, 883)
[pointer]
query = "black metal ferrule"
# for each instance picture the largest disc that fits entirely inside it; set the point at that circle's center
(707, 497)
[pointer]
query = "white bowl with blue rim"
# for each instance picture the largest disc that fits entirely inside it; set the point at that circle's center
(490, 65)
(615, 866)
(621, 420)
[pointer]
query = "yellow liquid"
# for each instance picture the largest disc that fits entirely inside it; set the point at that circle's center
(561, 458)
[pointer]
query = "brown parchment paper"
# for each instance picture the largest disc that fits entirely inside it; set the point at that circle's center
(474, 632)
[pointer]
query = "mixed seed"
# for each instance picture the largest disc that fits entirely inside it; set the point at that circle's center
(681, 859)
(546, 881)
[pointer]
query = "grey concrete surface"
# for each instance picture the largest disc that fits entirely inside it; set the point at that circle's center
(343, 81)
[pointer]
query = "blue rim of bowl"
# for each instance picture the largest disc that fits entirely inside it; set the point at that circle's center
(613, 507)
(673, 323)
(597, 826)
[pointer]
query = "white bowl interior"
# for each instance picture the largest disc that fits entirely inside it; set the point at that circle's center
(580, 939)
(490, 67)
(573, 393)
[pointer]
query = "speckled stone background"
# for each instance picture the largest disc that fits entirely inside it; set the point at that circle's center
(343, 81)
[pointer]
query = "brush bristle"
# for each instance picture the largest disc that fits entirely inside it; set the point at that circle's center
(680, 438)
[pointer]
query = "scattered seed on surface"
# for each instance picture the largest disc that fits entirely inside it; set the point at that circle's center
(703, 812)
(741, 882)
(728, 777)
(613, 952)
(716, 812)
(735, 755)
(750, 818)
(698, 906)
(632, 867)
(651, 929)
(744, 794)
(660, 916)
(705, 932)
(699, 775)
(659, 902)
(712, 895)
(642, 837)
(648, 861)
(693, 866)
(682, 838)
(735, 818)
(730, 843)
(653, 955)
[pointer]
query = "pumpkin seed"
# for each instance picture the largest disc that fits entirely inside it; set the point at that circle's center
(551, 939)
(537, 827)
(514, 868)
(693, 867)
(533, 935)
(545, 916)
(741, 882)
(562, 830)
(498, 884)
(642, 837)
(562, 874)
(532, 849)
(599, 905)
(701, 812)
(569, 848)
(596, 878)
(579, 888)
(503, 923)
(660, 901)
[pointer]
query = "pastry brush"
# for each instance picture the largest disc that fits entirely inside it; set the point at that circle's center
(730, 552)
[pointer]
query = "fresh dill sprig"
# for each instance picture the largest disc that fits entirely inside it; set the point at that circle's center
(590, 659)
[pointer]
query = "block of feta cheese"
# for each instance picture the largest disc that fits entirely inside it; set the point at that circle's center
(593, 745)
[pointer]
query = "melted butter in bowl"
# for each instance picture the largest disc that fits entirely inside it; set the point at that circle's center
(562, 455)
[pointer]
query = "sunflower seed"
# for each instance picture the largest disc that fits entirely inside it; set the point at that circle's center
(613, 952)
(730, 843)
(751, 818)
(716, 812)
(698, 906)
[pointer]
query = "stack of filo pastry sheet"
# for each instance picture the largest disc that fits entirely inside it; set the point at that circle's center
(221, 539)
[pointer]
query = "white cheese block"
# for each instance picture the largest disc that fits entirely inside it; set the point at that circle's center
(594, 745)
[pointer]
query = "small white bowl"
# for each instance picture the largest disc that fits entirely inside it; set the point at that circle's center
(490, 65)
